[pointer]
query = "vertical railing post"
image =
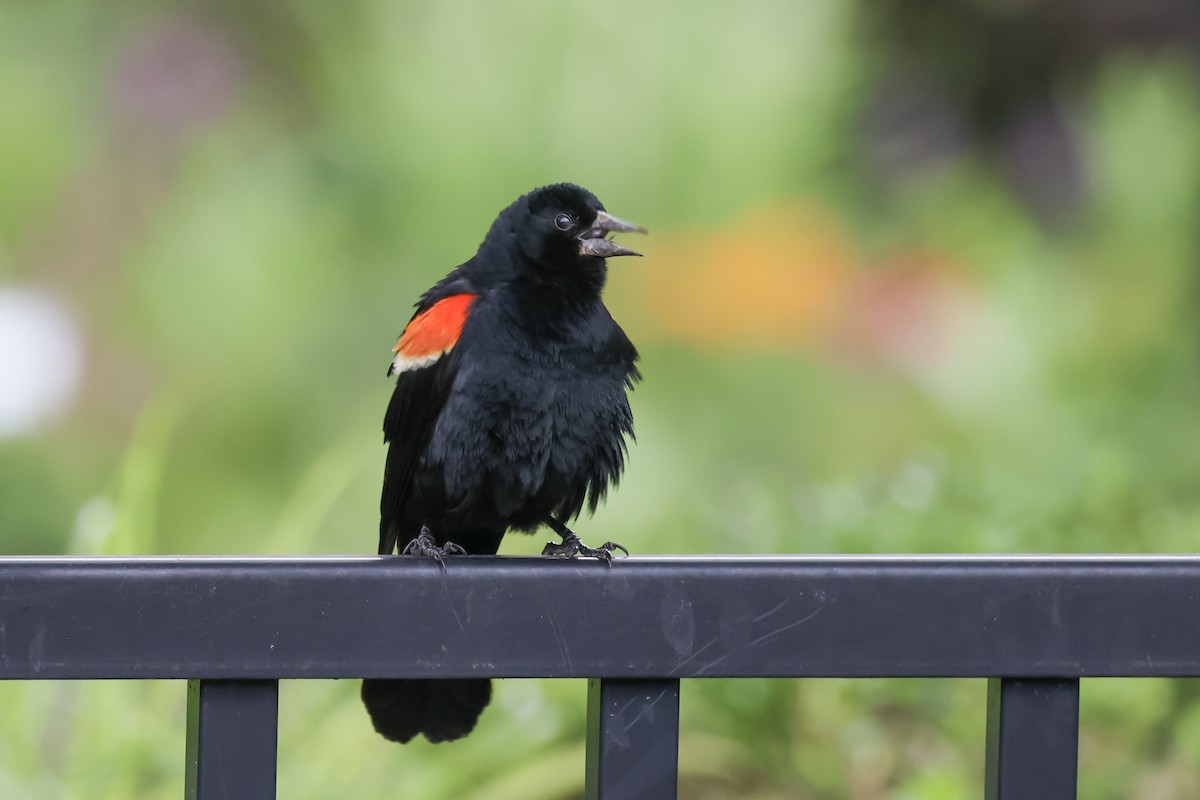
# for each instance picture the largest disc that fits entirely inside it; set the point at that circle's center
(1032, 739)
(232, 732)
(632, 740)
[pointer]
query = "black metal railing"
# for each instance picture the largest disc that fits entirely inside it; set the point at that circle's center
(234, 626)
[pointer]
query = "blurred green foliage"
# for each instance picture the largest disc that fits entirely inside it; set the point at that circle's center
(239, 203)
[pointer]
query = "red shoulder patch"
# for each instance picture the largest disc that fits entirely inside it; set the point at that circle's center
(432, 333)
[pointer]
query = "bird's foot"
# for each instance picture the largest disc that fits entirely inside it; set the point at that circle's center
(572, 546)
(425, 545)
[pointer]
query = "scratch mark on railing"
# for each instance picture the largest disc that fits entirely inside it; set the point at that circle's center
(789, 626)
(693, 656)
(766, 614)
(558, 637)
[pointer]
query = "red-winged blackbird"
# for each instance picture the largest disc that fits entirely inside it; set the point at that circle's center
(510, 412)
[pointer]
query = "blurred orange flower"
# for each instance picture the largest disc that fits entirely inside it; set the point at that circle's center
(776, 276)
(790, 274)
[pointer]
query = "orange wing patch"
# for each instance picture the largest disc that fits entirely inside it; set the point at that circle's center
(432, 333)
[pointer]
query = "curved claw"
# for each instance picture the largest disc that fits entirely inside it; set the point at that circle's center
(425, 545)
(573, 546)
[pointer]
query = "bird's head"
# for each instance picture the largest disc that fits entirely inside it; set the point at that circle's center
(560, 233)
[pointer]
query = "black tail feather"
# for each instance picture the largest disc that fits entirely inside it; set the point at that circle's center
(442, 710)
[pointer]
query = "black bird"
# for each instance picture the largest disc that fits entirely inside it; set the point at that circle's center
(510, 412)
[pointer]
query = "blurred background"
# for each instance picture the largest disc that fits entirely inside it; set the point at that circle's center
(923, 278)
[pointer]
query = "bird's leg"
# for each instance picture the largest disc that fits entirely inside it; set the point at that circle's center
(425, 545)
(572, 545)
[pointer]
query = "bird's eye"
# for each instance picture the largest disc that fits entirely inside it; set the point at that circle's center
(563, 222)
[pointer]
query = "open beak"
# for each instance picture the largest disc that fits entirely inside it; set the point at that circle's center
(592, 242)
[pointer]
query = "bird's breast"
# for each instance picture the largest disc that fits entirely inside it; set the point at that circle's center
(545, 423)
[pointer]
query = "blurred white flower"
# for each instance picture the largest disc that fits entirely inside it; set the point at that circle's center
(41, 360)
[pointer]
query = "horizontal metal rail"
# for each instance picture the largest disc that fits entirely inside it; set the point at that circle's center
(641, 618)
(235, 626)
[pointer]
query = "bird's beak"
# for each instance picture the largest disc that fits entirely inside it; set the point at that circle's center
(592, 242)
